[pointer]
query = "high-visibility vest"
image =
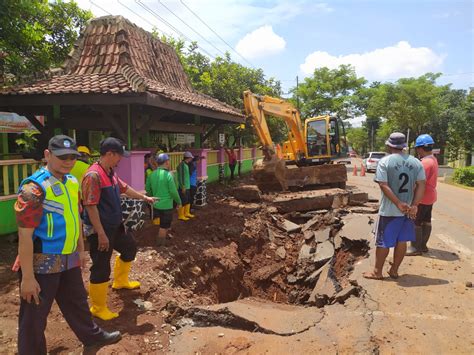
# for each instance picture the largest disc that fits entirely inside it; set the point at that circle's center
(60, 225)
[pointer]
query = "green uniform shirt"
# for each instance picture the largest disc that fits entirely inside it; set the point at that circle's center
(183, 175)
(161, 184)
(78, 170)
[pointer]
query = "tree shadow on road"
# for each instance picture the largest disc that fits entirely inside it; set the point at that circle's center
(441, 255)
(409, 280)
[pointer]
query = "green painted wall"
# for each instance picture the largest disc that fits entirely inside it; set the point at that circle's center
(8, 221)
(213, 171)
(246, 166)
(212, 174)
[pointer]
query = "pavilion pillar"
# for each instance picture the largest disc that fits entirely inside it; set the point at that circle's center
(197, 136)
(57, 116)
(4, 141)
(129, 127)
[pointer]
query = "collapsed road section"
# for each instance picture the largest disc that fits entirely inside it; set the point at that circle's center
(295, 248)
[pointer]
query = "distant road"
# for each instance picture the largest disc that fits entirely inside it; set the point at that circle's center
(442, 171)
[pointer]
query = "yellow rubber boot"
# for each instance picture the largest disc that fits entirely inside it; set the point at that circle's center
(156, 221)
(121, 271)
(187, 211)
(181, 215)
(98, 296)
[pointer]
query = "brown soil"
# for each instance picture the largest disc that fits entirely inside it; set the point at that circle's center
(223, 254)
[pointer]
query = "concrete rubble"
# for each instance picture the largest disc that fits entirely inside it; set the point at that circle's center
(326, 287)
(247, 193)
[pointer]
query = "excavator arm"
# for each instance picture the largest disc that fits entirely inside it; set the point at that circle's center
(258, 107)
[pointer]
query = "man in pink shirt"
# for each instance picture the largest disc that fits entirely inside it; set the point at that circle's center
(424, 146)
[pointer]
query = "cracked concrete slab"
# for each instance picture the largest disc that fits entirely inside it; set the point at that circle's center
(322, 235)
(357, 226)
(279, 318)
(310, 200)
(324, 251)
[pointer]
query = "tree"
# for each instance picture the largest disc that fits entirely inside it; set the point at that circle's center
(372, 121)
(330, 91)
(36, 35)
(453, 103)
(410, 103)
(384, 131)
(357, 139)
(461, 128)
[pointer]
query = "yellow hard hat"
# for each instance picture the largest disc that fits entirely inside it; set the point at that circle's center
(83, 149)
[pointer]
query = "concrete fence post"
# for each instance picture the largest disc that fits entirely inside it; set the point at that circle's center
(221, 162)
(201, 192)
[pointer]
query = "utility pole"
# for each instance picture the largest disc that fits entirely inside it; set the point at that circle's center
(408, 140)
(372, 138)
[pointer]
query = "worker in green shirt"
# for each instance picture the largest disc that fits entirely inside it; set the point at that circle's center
(184, 186)
(160, 184)
(82, 163)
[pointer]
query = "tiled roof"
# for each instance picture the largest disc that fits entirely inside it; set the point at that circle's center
(112, 55)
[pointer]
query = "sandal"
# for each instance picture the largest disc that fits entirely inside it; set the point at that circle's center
(392, 275)
(372, 276)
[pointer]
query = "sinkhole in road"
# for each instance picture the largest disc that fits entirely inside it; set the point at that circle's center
(286, 269)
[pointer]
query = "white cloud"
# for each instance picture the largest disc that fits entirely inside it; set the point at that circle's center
(231, 19)
(322, 7)
(262, 42)
(357, 121)
(400, 60)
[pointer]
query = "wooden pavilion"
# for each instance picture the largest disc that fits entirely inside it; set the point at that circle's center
(118, 78)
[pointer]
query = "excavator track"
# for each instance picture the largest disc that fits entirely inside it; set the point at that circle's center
(273, 175)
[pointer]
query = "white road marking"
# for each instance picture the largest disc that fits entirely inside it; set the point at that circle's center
(418, 315)
(432, 316)
(453, 244)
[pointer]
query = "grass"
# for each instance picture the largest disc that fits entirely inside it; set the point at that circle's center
(449, 180)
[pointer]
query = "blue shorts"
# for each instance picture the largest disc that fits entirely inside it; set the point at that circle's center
(391, 230)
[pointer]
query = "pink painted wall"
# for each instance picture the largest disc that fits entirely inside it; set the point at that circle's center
(132, 171)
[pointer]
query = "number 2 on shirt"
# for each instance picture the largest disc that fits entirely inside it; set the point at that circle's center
(405, 178)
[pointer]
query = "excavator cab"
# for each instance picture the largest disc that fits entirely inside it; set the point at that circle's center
(325, 139)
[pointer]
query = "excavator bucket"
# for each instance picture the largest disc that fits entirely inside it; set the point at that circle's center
(270, 175)
(275, 175)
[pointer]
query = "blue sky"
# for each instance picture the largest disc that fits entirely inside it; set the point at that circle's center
(383, 39)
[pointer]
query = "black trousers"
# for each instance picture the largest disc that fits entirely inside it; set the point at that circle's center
(192, 194)
(68, 290)
(120, 241)
(184, 196)
(232, 169)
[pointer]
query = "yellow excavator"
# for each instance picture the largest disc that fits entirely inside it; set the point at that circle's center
(307, 157)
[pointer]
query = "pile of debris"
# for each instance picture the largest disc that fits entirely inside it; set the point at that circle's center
(297, 248)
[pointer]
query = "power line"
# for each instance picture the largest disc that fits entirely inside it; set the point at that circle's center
(144, 19)
(93, 3)
(192, 29)
(222, 39)
(170, 26)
